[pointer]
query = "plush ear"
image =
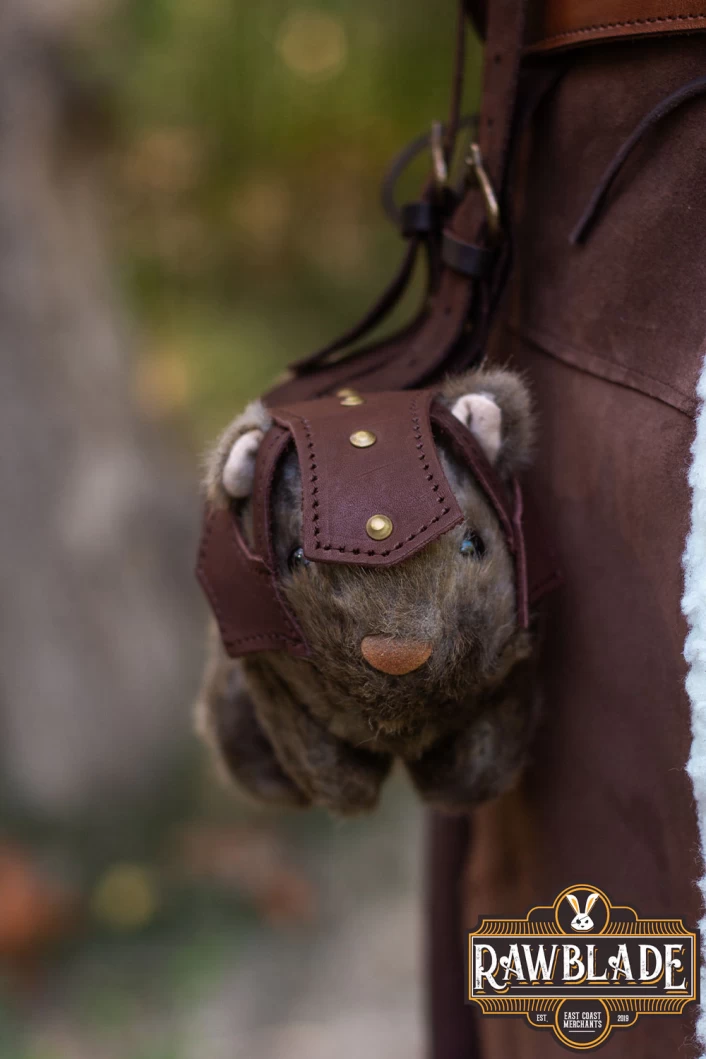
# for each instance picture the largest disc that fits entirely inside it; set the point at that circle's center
(239, 468)
(495, 405)
(479, 412)
(230, 468)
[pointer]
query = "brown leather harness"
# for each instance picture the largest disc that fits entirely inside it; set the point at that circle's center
(399, 477)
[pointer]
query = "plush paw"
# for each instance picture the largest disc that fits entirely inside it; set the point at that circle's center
(227, 719)
(340, 778)
(333, 774)
(458, 775)
(482, 761)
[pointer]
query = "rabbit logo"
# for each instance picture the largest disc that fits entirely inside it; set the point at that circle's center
(582, 921)
(582, 967)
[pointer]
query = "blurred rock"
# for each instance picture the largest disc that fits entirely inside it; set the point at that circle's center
(36, 911)
(350, 987)
(252, 862)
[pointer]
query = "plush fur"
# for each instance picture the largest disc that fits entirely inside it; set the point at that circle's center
(324, 730)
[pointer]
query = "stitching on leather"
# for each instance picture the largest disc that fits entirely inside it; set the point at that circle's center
(466, 444)
(428, 474)
(260, 636)
(313, 478)
(616, 25)
(280, 445)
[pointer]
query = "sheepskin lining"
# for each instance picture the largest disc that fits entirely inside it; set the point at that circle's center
(694, 609)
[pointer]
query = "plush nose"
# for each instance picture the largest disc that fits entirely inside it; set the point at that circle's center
(393, 656)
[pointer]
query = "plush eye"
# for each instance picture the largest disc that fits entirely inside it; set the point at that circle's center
(472, 545)
(297, 560)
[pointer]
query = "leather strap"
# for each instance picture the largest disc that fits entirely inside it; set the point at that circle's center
(375, 315)
(241, 585)
(508, 509)
(241, 591)
(420, 352)
(450, 306)
(557, 24)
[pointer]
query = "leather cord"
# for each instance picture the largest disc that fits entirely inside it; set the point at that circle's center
(456, 310)
(597, 202)
(384, 305)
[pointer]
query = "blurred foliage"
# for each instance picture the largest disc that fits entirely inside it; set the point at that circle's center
(252, 141)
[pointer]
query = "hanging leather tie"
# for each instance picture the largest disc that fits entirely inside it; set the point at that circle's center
(466, 262)
(666, 106)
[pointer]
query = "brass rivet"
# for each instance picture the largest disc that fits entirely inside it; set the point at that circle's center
(379, 527)
(346, 392)
(352, 399)
(362, 439)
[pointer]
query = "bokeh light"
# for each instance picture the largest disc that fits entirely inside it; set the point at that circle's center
(313, 44)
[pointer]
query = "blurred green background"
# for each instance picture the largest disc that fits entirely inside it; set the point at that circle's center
(254, 140)
(237, 150)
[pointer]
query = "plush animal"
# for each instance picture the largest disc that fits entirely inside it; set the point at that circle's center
(424, 660)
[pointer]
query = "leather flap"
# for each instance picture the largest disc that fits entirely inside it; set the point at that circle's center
(241, 585)
(398, 476)
(241, 591)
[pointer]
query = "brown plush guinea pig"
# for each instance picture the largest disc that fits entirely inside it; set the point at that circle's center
(424, 660)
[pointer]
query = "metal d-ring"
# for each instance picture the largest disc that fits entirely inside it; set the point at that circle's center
(408, 154)
(474, 163)
(438, 155)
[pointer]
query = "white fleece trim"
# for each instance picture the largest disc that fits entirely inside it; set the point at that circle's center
(694, 608)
